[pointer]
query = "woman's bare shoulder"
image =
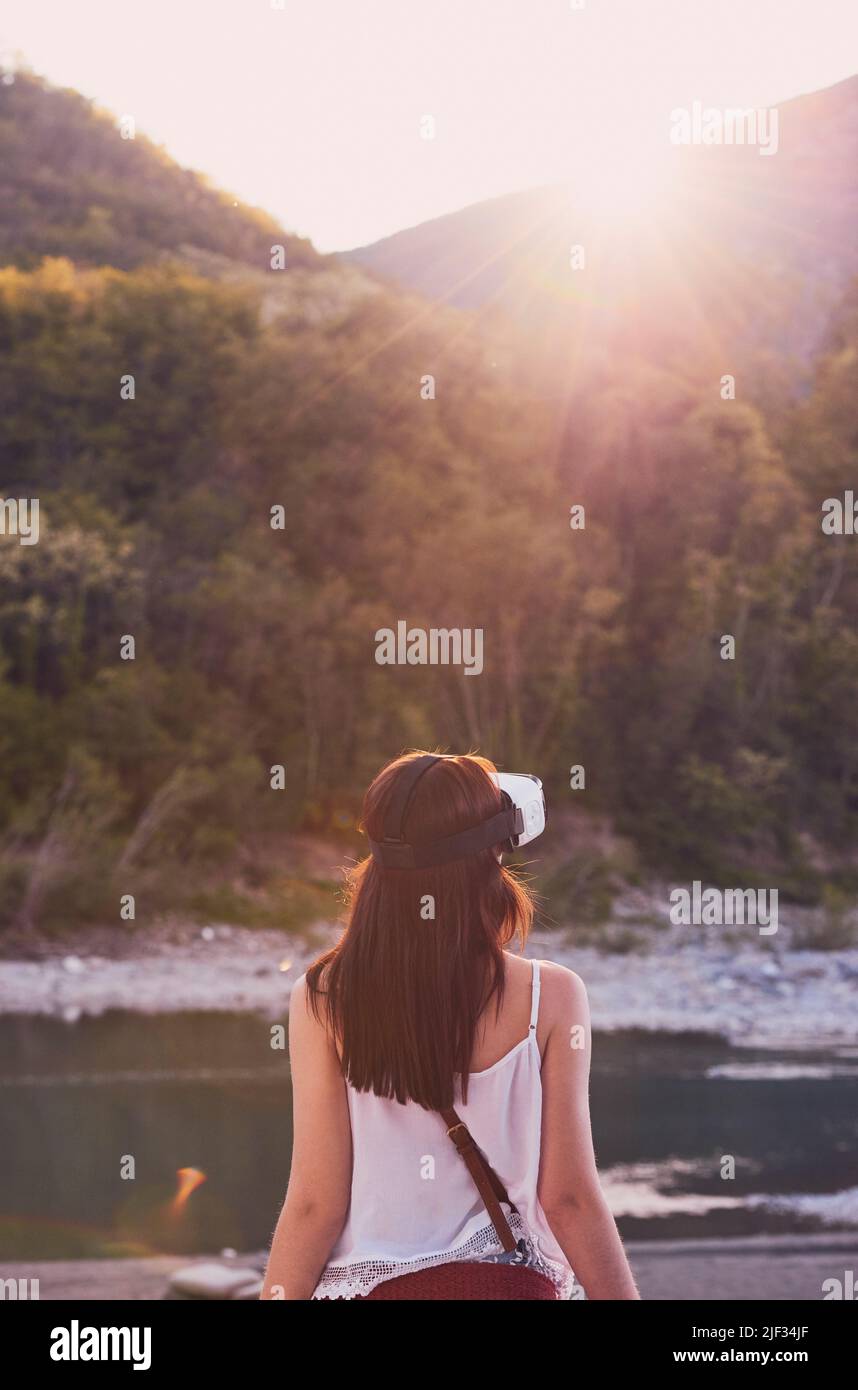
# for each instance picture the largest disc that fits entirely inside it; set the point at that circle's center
(306, 1004)
(561, 989)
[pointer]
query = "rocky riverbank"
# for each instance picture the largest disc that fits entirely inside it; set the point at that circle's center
(762, 1267)
(750, 989)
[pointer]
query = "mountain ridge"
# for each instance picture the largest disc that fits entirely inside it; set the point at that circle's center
(72, 186)
(737, 222)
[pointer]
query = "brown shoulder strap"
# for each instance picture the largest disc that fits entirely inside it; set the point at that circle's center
(489, 1185)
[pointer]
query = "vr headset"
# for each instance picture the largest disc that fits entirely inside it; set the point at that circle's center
(520, 821)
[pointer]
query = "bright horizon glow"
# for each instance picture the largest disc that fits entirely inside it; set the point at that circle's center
(615, 180)
(313, 111)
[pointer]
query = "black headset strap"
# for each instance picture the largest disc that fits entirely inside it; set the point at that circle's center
(403, 790)
(396, 854)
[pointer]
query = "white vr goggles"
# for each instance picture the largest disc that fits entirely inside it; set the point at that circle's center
(521, 819)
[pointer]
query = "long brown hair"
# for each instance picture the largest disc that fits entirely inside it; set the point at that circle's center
(403, 989)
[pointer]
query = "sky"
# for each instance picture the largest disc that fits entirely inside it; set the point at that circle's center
(312, 109)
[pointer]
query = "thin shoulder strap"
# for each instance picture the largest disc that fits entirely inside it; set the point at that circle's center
(489, 1185)
(534, 995)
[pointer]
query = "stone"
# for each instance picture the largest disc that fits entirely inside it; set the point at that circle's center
(213, 1281)
(249, 1292)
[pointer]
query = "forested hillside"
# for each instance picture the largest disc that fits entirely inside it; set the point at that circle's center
(254, 645)
(71, 185)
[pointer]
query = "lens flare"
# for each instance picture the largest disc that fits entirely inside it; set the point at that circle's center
(189, 1179)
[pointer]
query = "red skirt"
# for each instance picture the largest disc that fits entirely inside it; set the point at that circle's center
(466, 1279)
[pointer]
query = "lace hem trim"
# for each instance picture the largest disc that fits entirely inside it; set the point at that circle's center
(347, 1281)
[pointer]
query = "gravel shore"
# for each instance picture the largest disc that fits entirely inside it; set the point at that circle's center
(749, 990)
(764, 1267)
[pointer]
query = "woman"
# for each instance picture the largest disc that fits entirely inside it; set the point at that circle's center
(418, 1033)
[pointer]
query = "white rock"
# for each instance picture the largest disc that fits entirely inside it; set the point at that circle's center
(212, 1281)
(248, 1292)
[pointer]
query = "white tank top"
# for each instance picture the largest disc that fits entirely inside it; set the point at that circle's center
(413, 1202)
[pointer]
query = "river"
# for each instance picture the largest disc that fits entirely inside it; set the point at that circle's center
(99, 1116)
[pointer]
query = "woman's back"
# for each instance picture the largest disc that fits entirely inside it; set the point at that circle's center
(498, 1033)
(420, 1009)
(414, 1203)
